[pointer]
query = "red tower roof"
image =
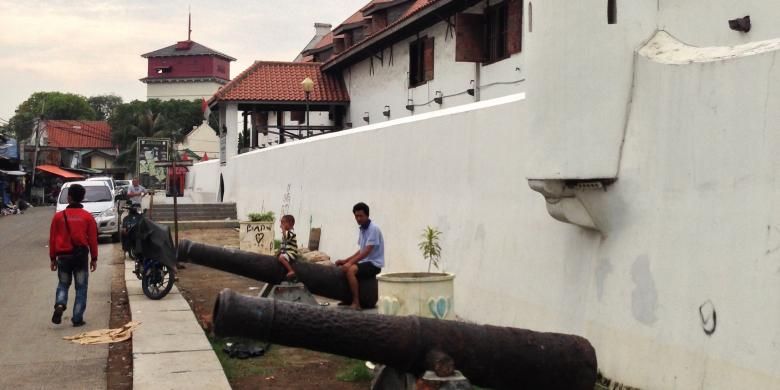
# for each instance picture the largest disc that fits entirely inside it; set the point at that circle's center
(186, 48)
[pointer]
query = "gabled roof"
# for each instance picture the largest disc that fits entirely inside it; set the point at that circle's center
(415, 10)
(356, 20)
(98, 152)
(377, 5)
(192, 48)
(281, 82)
(325, 43)
(79, 134)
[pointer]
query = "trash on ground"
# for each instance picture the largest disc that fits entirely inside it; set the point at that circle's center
(105, 336)
(243, 351)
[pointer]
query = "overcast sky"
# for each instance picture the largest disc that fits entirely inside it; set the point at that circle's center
(94, 47)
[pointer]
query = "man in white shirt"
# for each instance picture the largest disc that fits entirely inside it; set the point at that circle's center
(135, 192)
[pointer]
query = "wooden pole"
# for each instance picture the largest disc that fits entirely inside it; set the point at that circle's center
(175, 205)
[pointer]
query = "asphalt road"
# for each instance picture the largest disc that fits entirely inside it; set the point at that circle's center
(33, 354)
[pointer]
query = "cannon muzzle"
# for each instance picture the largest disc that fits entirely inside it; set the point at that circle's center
(489, 356)
(326, 281)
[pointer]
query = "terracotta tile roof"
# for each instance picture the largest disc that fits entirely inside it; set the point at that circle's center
(357, 17)
(281, 82)
(414, 8)
(79, 134)
(380, 4)
(325, 41)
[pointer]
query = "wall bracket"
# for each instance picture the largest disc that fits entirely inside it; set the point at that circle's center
(565, 199)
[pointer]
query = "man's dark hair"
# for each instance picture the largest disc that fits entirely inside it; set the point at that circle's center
(76, 192)
(289, 218)
(360, 207)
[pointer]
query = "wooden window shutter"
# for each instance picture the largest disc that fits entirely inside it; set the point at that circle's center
(298, 116)
(338, 45)
(515, 26)
(428, 58)
(378, 21)
(469, 37)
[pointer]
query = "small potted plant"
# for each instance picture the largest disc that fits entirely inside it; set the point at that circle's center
(257, 234)
(424, 294)
(429, 246)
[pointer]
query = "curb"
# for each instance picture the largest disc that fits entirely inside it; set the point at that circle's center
(170, 350)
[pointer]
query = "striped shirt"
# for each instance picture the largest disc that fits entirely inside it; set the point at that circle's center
(289, 246)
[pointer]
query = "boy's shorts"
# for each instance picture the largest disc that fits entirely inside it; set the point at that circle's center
(287, 257)
(367, 270)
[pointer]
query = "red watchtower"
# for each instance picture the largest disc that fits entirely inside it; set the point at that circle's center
(186, 70)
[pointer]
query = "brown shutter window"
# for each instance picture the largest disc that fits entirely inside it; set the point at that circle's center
(469, 37)
(338, 45)
(428, 58)
(298, 116)
(515, 26)
(378, 21)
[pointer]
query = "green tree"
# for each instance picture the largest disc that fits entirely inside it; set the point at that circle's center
(50, 105)
(104, 105)
(170, 119)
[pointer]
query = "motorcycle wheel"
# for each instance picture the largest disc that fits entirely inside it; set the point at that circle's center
(157, 281)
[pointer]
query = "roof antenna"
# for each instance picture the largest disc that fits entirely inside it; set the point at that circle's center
(189, 23)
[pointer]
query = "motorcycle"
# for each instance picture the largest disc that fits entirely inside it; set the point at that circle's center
(150, 245)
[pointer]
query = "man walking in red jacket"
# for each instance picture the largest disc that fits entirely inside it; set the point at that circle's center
(72, 239)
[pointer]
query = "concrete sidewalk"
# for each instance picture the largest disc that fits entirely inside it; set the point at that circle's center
(170, 350)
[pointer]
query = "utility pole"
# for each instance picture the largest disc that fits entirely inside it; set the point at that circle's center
(38, 124)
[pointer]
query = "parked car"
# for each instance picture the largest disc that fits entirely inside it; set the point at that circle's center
(109, 182)
(98, 200)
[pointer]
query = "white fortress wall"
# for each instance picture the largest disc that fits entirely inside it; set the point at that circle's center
(672, 241)
(202, 181)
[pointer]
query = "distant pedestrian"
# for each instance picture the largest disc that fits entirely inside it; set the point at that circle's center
(72, 239)
(368, 261)
(135, 193)
(288, 251)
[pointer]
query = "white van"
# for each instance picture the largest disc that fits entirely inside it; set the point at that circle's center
(105, 179)
(98, 200)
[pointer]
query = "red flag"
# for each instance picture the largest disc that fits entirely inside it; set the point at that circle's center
(204, 107)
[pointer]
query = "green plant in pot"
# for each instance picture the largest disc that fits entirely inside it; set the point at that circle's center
(429, 246)
(267, 216)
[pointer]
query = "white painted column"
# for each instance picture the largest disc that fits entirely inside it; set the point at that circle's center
(231, 122)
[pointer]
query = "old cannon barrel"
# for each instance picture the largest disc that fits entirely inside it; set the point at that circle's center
(490, 356)
(327, 281)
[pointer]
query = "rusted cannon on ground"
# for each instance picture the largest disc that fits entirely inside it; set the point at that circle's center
(489, 356)
(321, 280)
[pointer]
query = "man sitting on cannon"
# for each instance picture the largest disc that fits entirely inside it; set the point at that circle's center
(368, 261)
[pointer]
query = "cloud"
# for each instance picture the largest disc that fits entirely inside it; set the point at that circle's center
(93, 47)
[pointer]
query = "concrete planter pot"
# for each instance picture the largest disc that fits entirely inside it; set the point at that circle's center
(256, 237)
(423, 294)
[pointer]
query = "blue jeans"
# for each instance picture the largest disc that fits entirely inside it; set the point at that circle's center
(68, 271)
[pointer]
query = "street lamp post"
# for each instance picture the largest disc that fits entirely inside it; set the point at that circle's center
(308, 86)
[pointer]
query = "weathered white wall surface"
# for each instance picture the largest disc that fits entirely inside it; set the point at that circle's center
(705, 22)
(690, 230)
(693, 221)
(202, 182)
(388, 86)
(690, 222)
(181, 91)
(579, 82)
